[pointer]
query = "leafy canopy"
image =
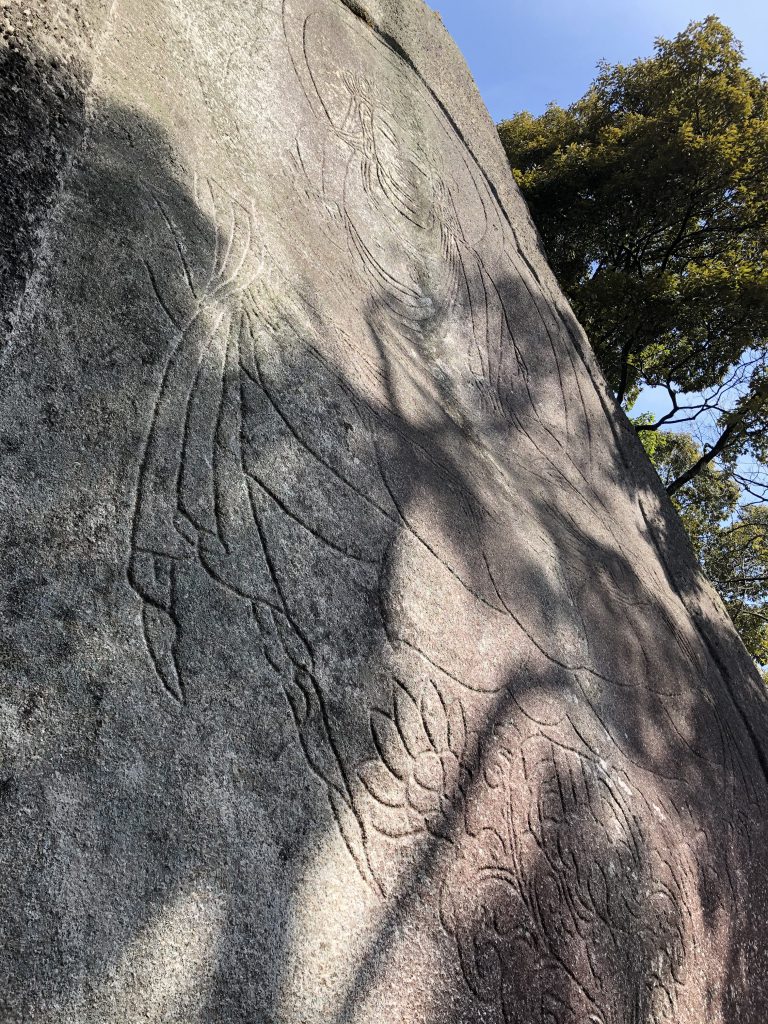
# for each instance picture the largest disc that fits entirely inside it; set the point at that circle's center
(650, 193)
(730, 539)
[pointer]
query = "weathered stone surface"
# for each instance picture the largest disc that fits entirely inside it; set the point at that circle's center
(354, 667)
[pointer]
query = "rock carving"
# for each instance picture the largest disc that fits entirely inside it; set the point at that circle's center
(358, 668)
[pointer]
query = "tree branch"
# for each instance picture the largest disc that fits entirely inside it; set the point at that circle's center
(732, 430)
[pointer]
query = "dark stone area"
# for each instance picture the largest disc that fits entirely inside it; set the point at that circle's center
(354, 666)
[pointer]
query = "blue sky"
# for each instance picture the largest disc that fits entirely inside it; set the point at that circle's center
(524, 54)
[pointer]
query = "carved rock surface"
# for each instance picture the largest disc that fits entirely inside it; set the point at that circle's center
(354, 666)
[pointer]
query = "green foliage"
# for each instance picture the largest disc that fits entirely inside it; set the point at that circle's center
(705, 501)
(736, 562)
(651, 197)
(730, 540)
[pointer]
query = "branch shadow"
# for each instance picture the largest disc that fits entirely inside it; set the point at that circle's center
(583, 783)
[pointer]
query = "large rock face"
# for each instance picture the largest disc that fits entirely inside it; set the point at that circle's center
(354, 667)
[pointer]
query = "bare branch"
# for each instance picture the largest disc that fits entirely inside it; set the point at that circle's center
(728, 435)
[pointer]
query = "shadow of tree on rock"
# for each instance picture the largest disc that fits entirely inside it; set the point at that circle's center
(321, 612)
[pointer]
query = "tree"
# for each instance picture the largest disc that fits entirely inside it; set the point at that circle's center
(703, 502)
(651, 196)
(737, 563)
(730, 538)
